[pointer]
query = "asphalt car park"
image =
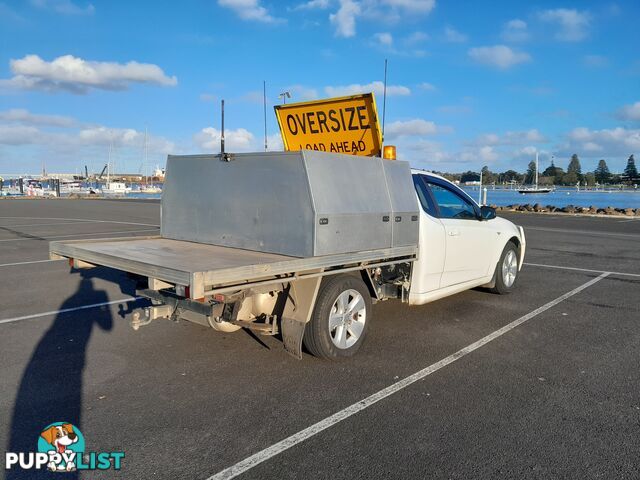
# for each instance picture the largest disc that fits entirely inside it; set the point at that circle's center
(541, 383)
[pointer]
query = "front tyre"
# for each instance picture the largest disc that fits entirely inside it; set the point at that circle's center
(506, 272)
(340, 319)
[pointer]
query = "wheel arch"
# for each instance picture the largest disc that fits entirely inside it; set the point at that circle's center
(516, 241)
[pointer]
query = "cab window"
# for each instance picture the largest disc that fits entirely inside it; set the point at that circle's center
(451, 204)
(424, 196)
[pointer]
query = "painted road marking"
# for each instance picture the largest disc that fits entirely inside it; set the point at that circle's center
(76, 235)
(89, 220)
(338, 417)
(65, 310)
(584, 232)
(581, 269)
(43, 224)
(29, 263)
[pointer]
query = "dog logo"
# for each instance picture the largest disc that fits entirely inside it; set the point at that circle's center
(61, 448)
(65, 442)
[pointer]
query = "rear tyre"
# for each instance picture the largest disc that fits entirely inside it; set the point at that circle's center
(340, 319)
(506, 272)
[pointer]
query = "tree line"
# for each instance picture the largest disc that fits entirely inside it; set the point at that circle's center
(553, 175)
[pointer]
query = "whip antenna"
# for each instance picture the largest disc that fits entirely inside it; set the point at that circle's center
(222, 131)
(264, 100)
(384, 98)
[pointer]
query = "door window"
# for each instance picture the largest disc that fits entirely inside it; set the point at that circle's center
(424, 196)
(451, 204)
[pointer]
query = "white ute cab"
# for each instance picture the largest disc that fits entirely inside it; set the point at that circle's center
(468, 245)
(286, 243)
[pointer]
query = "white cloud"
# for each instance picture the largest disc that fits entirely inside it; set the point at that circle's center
(630, 112)
(453, 36)
(595, 61)
(425, 154)
(74, 140)
(249, 10)
(75, 75)
(573, 24)
(385, 42)
(511, 138)
(376, 87)
(274, 143)
(499, 56)
(384, 39)
(380, 11)
(19, 135)
(65, 7)
(122, 137)
(484, 154)
(238, 140)
(614, 141)
(344, 20)
(24, 117)
(414, 127)
(313, 5)
(528, 152)
(429, 87)
(415, 38)
(302, 93)
(515, 31)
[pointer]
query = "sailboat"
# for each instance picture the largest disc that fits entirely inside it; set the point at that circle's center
(148, 188)
(535, 188)
(113, 188)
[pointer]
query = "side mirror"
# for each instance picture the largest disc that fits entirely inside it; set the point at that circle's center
(487, 213)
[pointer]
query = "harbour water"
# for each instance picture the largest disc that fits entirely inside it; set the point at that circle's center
(562, 198)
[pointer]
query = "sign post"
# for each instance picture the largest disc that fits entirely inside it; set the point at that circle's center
(338, 125)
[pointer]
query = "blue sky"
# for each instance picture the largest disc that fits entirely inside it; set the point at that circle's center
(470, 84)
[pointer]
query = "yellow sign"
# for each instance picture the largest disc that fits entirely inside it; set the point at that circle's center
(339, 125)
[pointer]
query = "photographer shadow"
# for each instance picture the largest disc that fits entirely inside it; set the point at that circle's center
(51, 386)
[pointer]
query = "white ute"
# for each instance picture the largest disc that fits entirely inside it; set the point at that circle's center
(468, 245)
(301, 244)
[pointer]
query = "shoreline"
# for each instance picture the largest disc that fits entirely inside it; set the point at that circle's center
(592, 211)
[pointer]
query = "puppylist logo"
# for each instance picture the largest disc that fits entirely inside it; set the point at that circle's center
(61, 448)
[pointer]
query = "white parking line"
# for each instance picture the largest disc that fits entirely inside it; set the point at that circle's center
(76, 235)
(337, 417)
(580, 269)
(65, 310)
(584, 232)
(42, 224)
(29, 263)
(90, 220)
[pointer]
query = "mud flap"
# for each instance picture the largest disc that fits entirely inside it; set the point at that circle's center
(297, 312)
(292, 333)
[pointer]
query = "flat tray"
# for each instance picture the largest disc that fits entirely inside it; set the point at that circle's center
(199, 265)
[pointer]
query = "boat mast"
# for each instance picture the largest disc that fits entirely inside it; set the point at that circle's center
(145, 153)
(536, 170)
(108, 164)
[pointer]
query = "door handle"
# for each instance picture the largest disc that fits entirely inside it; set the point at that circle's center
(454, 233)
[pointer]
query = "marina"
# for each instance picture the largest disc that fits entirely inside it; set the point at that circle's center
(602, 197)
